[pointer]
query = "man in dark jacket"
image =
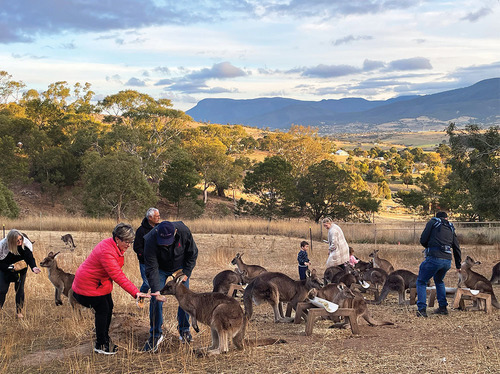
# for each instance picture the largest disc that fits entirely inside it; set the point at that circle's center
(151, 220)
(439, 239)
(167, 248)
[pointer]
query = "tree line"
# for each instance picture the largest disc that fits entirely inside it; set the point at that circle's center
(124, 152)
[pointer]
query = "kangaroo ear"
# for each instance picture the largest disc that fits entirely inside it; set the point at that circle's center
(308, 273)
(50, 254)
(241, 255)
(55, 254)
(177, 274)
(477, 263)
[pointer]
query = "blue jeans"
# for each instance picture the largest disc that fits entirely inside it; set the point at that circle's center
(156, 312)
(432, 267)
(145, 285)
(302, 272)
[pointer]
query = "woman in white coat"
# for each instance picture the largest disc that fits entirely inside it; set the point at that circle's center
(338, 247)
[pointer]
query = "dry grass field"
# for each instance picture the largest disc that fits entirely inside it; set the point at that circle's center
(51, 339)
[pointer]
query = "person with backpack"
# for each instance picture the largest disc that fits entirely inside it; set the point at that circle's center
(439, 239)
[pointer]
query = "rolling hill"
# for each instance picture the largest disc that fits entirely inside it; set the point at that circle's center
(479, 104)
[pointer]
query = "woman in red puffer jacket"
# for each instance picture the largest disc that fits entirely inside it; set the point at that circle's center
(94, 282)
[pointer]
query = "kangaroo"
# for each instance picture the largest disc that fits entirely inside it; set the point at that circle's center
(276, 288)
(251, 270)
(400, 281)
(61, 280)
(380, 262)
(475, 281)
(223, 280)
(68, 240)
(222, 313)
(343, 296)
(375, 277)
(363, 266)
(495, 274)
(331, 272)
(348, 276)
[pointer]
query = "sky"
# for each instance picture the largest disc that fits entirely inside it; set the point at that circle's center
(313, 50)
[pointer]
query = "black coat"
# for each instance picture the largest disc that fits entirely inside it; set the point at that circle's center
(140, 233)
(181, 254)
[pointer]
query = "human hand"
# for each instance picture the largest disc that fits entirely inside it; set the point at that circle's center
(139, 299)
(185, 278)
(159, 297)
(36, 270)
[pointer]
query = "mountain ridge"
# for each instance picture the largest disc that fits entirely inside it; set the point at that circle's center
(478, 103)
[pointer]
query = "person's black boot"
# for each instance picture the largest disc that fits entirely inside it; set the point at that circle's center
(441, 310)
(422, 313)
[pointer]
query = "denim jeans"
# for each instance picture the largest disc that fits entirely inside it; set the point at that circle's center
(145, 285)
(432, 267)
(156, 312)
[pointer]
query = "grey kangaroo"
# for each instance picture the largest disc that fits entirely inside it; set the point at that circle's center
(68, 240)
(495, 274)
(251, 270)
(469, 278)
(276, 288)
(223, 280)
(380, 262)
(61, 280)
(400, 281)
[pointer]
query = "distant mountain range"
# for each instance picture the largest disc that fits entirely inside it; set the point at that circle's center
(479, 104)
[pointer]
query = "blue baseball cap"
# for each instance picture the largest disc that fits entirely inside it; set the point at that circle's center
(166, 233)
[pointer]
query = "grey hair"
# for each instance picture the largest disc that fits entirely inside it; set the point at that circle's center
(327, 220)
(12, 237)
(151, 212)
(124, 232)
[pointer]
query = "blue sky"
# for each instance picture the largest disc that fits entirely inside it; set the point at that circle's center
(303, 49)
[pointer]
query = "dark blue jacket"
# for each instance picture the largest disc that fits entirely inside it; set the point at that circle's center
(302, 257)
(181, 254)
(141, 232)
(439, 238)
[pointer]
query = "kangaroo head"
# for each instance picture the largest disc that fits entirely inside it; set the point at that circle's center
(312, 279)
(345, 291)
(374, 253)
(236, 258)
(171, 286)
(469, 262)
(313, 292)
(47, 261)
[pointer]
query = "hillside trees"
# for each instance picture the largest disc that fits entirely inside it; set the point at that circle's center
(475, 163)
(8, 206)
(326, 189)
(114, 184)
(272, 182)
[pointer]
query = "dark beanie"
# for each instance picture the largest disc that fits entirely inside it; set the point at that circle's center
(441, 215)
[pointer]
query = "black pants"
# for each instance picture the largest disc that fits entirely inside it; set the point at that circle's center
(103, 307)
(18, 278)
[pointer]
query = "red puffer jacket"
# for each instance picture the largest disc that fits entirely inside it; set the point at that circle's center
(96, 274)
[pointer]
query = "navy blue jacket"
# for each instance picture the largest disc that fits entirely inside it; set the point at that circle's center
(181, 254)
(141, 232)
(302, 257)
(439, 238)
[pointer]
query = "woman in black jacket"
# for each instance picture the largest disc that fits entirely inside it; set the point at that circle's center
(16, 253)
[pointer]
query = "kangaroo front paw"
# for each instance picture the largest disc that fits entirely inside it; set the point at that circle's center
(59, 302)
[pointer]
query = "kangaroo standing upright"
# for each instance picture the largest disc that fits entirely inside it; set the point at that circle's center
(381, 263)
(476, 281)
(399, 281)
(61, 280)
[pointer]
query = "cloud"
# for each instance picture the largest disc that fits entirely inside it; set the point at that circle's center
(369, 65)
(465, 76)
(135, 82)
(24, 20)
(162, 69)
(164, 82)
(474, 16)
(114, 79)
(415, 63)
(221, 70)
(190, 87)
(70, 45)
(27, 55)
(330, 71)
(351, 38)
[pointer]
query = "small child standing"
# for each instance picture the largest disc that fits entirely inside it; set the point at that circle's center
(353, 260)
(303, 259)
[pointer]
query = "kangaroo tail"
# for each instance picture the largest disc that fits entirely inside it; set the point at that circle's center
(373, 322)
(382, 296)
(250, 342)
(247, 301)
(494, 301)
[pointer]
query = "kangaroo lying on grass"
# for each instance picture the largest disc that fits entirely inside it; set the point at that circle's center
(475, 281)
(61, 280)
(251, 271)
(276, 288)
(381, 263)
(495, 274)
(222, 313)
(344, 297)
(223, 280)
(400, 281)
